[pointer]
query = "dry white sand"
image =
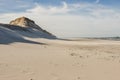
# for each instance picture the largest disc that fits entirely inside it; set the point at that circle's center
(61, 60)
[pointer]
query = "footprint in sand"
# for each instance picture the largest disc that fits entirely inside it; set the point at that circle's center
(78, 78)
(74, 54)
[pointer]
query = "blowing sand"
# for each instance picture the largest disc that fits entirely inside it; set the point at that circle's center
(61, 60)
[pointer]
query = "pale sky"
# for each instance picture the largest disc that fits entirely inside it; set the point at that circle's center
(67, 18)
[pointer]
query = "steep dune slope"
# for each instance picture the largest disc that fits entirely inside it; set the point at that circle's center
(8, 36)
(32, 29)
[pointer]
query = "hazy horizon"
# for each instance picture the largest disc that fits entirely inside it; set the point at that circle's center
(67, 18)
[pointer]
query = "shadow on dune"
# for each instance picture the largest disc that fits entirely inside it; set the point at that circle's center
(8, 36)
(7, 42)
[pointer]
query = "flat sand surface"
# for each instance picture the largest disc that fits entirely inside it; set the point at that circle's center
(61, 60)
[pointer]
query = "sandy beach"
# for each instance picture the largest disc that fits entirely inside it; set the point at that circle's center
(84, 59)
(59, 39)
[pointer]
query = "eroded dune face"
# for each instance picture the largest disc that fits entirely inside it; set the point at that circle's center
(27, 28)
(25, 23)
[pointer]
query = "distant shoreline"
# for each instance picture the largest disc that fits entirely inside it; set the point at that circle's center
(99, 38)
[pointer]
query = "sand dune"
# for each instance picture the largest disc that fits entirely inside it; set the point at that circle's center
(8, 36)
(60, 60)
(26, 28)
